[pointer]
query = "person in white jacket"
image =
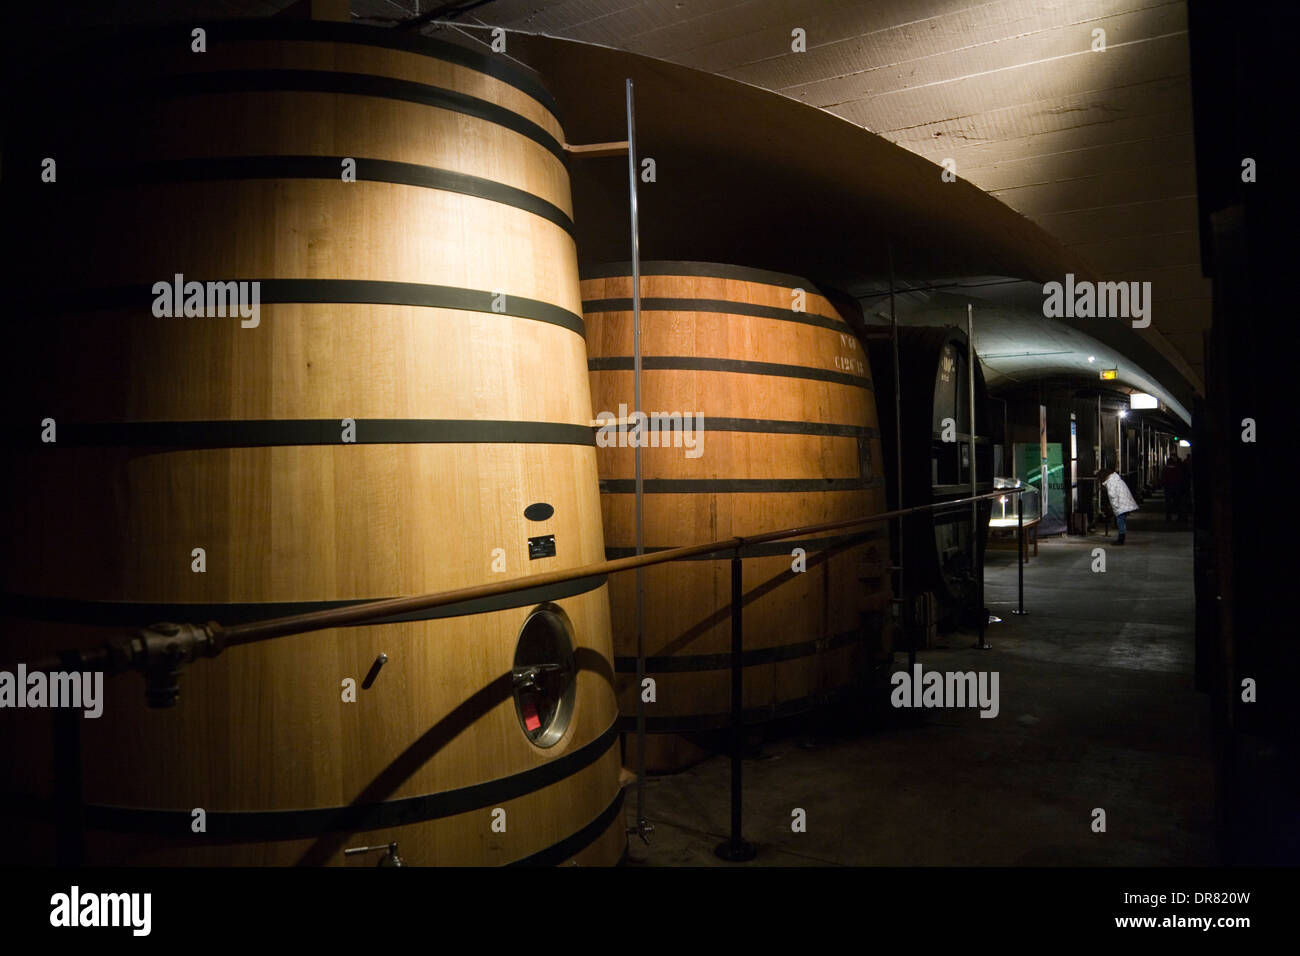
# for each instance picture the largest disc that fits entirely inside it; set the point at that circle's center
(1121, 499)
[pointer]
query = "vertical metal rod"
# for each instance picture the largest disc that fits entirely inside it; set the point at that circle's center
(641, 822)
(69, 838)
(737, 694)
(1020, 553)
(1121, 443)
(910, 632)
(1101, 437)
(976, 565)
(1006, 439)
(736, 850)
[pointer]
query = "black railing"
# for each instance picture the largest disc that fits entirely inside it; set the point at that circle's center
(161, 650)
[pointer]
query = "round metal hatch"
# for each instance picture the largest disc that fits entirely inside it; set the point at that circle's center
(544, 675)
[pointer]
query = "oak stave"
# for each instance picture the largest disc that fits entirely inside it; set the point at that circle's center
(790, 438)
(385, 315)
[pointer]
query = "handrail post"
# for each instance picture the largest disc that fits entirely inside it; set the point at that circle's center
(736, 850)
(1020, 554)
(908, 627)
(69, 833)
(977, 553)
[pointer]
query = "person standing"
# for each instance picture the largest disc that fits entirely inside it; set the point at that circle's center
(1121, 500)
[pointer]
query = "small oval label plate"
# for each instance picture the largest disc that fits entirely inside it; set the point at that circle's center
(539, 511)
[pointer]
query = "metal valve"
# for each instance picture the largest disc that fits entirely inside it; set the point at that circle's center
(643, 829)
(390, 857)
(525, 678)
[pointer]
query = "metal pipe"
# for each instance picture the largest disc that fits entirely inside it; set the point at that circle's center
(1101, 437)
(976, 565)
(113, 658)
(642, 827)
(970, 400)
(735, 849)
(898, 465)
(1020, 556)
(391, 607)
(1121, 443)
(69, 831)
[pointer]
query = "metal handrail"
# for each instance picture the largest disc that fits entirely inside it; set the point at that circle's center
(160, 651)
(193, 640)
(359, 613)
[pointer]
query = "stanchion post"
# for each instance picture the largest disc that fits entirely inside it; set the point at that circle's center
(736, 850)
(1020, 554)
(977, 553)
(69, 836)
(981, 610)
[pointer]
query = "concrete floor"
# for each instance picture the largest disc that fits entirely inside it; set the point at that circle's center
(1097, 710)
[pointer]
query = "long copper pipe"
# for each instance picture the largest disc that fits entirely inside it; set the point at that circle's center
(369, 610)
(224, 637)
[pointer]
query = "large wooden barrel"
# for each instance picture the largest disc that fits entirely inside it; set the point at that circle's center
(936, 457)
(788, 438)
(410, 413)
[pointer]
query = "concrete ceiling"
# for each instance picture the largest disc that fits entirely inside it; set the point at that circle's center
(750, 177)
(1019, 349)
(1095, 147)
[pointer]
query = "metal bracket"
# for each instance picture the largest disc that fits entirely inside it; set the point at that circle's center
(525, 678)
(643, 829)
(160, 651)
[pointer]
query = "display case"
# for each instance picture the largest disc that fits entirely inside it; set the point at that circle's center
(1004, 507)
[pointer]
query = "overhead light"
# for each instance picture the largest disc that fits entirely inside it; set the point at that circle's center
(1123, 413)
(1092, 358)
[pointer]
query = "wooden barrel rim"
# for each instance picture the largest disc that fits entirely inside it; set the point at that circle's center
(327, 292)
(175, 85)
(314, 167)
(724, 306)
(759, 486)
(678, 363)
(764, 550)
(246, 29)
(291, 824)
(703, 270)
(754, 657)
(579, 840)
(269, 433)
(768, 426)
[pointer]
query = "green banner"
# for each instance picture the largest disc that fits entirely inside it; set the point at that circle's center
(1029, 470)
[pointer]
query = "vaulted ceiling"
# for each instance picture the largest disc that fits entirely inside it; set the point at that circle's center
(1093, 145)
